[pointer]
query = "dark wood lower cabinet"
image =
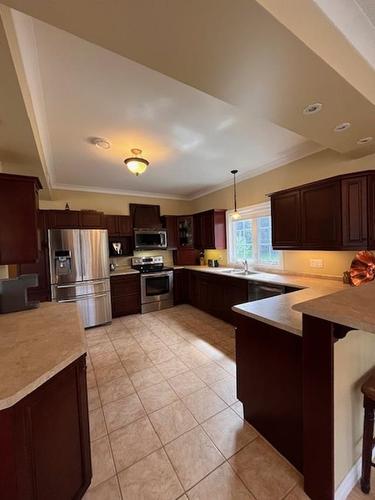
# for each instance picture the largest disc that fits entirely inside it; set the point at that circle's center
(269, 384)
(180, 286)
(45, 440)
(125, 294)
(217, 294)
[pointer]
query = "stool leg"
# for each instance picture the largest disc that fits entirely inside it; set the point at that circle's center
(368, 436)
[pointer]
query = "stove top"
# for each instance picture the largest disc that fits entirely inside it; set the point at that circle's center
(149, 264)
(145, 270)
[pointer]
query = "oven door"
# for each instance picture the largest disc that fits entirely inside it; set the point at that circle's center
(156, 287)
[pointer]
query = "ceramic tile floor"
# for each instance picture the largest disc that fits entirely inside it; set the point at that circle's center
(164, 419)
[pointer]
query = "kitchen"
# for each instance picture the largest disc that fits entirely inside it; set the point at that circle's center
(190, 301)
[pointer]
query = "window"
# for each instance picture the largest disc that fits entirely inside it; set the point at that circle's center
(250, 237)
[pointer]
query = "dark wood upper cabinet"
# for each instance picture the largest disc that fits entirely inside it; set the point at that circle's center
(118, 225)
(185, 228)
(125, 225)
(354, 211)
(286, 219)
(19, 241)
(170, 224)
(63, 219)
(332, 214)
(145, 216)
(321, 216)
(111, 225)
(91, 219)
(210, 230)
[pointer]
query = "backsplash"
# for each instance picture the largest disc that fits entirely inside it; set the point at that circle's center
(126, 261)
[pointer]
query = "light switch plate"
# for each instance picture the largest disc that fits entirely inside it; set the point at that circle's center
(316, 263)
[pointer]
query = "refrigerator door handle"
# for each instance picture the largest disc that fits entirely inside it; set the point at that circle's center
(83, 297)
(95, 282)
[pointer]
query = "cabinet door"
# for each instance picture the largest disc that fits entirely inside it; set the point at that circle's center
(371, 211)
(18, 221)
(125, 227)
(208, 229)
(111, 224)
(179, 287)
(185, 232)
(354, 212)
(63, 219)
(90, 219)
(41, 267)
(286, 221)
(125, 294)
(321, 216)
(198, 230)
(170, 224)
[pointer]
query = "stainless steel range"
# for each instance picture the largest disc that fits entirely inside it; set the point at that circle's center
(156, 283)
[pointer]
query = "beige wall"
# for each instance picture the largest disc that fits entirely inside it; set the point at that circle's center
(354, 357)
(324, 164)
(110, 203)
(251, 191)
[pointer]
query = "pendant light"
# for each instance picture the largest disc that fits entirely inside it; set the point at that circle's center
(235, 214)
(135, 164)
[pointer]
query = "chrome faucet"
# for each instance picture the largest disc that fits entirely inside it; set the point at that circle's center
(246, 266)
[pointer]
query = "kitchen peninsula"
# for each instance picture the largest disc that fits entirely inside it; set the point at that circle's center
(44, 431)
(296, 382)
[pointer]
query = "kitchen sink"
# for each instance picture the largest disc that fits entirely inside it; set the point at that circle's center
(238, 272)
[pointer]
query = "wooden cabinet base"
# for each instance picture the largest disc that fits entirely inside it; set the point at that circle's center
(269, 384)
(45, 440)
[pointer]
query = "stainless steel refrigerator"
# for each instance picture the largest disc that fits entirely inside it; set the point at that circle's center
(79, 268)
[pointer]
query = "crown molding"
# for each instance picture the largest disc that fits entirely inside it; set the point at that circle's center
(292, 154)
(96, 189)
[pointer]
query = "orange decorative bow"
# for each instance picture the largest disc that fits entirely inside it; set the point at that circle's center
(362, 269)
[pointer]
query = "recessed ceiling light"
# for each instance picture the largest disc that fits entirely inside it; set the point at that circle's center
(364, 140)
(342, 126)
(101, 143)
(313, 108)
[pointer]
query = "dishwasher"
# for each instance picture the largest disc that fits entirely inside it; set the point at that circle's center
(258, 291)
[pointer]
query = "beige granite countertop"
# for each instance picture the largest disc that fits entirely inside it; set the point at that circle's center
(277, 311)
(35, 345)
(354, 307)
(120, 271)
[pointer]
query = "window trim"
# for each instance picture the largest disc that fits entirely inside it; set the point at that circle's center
(252, 211)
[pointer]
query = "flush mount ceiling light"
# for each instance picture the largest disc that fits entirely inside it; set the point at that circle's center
(364, 140)
(313, 108)
(342, 126)
(135, 164)
(235, 214)
(101, 143)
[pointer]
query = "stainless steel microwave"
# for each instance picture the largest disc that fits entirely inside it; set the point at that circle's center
(150, 239)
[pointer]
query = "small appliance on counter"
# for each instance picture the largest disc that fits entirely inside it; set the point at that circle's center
(156, 283)
(213, 262)
(13, 293)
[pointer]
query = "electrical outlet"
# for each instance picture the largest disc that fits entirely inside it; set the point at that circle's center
(316, 263)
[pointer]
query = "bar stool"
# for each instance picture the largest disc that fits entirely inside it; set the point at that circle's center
(368, 389)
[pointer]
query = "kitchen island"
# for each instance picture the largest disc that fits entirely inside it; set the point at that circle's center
(44, 431)
(300, 386)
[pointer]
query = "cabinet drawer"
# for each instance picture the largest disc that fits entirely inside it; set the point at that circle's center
(123, 305)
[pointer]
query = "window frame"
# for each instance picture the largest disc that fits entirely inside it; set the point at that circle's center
(251, 212)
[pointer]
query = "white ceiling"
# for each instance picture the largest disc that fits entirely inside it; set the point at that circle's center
(191, 139)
